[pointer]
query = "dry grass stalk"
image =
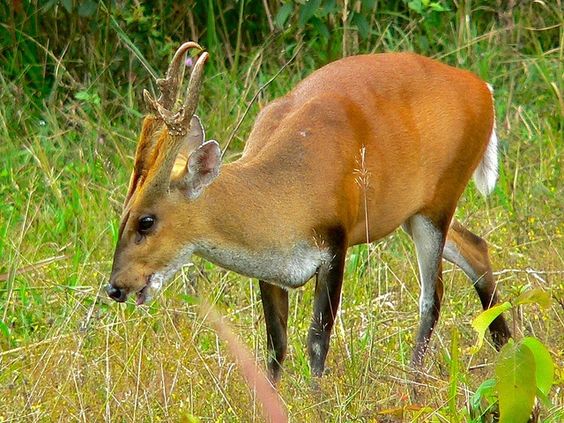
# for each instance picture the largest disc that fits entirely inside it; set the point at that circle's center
(272, 406)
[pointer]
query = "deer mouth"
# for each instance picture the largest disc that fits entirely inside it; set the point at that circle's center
(154, 283)
(143, 295)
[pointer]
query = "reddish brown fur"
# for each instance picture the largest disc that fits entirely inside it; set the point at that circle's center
(424, 127)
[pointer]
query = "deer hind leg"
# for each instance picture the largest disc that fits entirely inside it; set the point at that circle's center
(275, 305)
(429, 237)
(470, 252)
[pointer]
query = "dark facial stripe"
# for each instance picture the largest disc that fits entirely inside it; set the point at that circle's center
(124, 219)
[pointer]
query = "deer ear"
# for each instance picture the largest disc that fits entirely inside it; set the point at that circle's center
(202, 168)
(194, 138)
(196, 135)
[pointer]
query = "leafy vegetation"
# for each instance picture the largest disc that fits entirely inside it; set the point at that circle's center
(524, 369)
(71, 77)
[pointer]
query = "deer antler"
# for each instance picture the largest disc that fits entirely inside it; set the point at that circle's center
(178, 122)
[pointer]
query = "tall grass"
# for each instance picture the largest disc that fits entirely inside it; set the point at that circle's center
(70, 86)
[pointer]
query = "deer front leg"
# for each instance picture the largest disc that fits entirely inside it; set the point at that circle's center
(327, 298)
(275, 307)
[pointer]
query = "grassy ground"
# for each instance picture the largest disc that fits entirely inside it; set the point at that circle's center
(68, 353)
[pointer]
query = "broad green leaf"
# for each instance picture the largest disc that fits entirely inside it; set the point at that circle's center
(49, 4)
(283, 14)
(535, 296)
(515, 380)
(482, 322)
(543, 364)
(353, 261)
(91, 98)
(189, 299)
(189, 418)
(87, 8)
(362, 24)
(4, 329)
(368, 5)
(438, 7)
(329, 6)
(544, 399)
(416, 6)
(67, 4)
(321, 28)
(307, 11)
(485, 391)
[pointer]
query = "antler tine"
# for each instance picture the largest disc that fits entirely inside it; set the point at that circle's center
(194, 86)
(169, 85)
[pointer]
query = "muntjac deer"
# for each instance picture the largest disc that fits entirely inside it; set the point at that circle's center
(292, 205)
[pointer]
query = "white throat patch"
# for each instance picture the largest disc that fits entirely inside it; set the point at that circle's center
(288, 269)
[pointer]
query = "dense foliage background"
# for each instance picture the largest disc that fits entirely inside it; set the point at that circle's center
(71, 78)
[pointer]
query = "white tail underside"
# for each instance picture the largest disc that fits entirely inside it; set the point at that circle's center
(485, 175)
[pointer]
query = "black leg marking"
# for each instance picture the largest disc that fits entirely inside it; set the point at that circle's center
(470, 252)
(275, 307)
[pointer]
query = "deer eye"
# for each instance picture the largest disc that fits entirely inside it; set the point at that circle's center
(145, 224)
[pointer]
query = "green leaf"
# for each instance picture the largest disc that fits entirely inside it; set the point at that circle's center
(416, 6)
(88, 97)
(49, 4)
(368, 5)
(67, 4)
(189, 299)
(191, 418)
(544, 367)
(544, 399)
(4, 329)
(307, 11)
(82, 95)
(482, 322)
(535, 296)
(515, 380)
(283, 14)
(362, 24)
(353, 260)
(321, 28)
(438, 7)
(87, 8)
(487, 392)
(329, 6)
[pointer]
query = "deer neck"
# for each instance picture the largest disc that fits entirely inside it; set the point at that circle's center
(244, 230)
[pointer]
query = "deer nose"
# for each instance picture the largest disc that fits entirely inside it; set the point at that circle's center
(117, 294)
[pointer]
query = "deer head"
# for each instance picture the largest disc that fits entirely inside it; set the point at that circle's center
(173, 165)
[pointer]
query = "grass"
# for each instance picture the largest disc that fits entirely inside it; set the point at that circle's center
(68, 353)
